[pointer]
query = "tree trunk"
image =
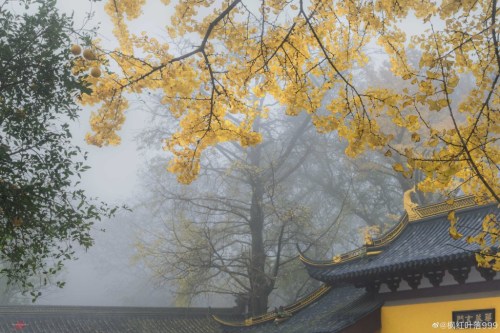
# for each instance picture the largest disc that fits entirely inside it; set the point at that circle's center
(259, 281)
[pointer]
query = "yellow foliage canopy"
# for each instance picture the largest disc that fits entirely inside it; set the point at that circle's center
(309, 58)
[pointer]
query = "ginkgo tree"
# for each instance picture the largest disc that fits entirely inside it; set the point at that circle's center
(309, 56)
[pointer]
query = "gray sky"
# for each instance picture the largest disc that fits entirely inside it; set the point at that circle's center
(104, 275)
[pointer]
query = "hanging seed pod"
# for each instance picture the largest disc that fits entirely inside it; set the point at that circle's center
(76, 49)
(95, 72)
(88, 54)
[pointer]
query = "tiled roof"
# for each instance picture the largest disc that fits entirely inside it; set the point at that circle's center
(64, 319)
(341, 307)
(422, 244)
(270, 316)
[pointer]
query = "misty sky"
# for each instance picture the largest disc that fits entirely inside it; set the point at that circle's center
(104, 275)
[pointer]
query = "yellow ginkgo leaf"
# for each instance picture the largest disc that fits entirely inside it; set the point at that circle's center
(454, 233)
(452, 217)
(453, 222)
(398, 167)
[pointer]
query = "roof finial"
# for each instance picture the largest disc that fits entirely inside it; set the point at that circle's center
(408, 204)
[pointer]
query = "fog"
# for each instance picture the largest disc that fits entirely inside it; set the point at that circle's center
(322, 198)
(105, 274)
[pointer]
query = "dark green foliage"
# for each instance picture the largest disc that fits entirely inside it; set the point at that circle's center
(42, 211)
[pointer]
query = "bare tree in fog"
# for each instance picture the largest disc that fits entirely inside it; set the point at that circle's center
(234, 231)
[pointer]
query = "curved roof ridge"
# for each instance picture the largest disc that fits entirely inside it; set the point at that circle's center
(269, 316)
(377, 244)
(444, 207)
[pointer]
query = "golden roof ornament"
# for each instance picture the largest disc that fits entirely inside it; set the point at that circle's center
(369, 233)
(409, 205)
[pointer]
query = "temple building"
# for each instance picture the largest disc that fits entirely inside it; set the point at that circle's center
(414, 279)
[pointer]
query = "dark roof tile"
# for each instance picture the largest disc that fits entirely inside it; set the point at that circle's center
(422, 244)
(340, 308)
(61, 319)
